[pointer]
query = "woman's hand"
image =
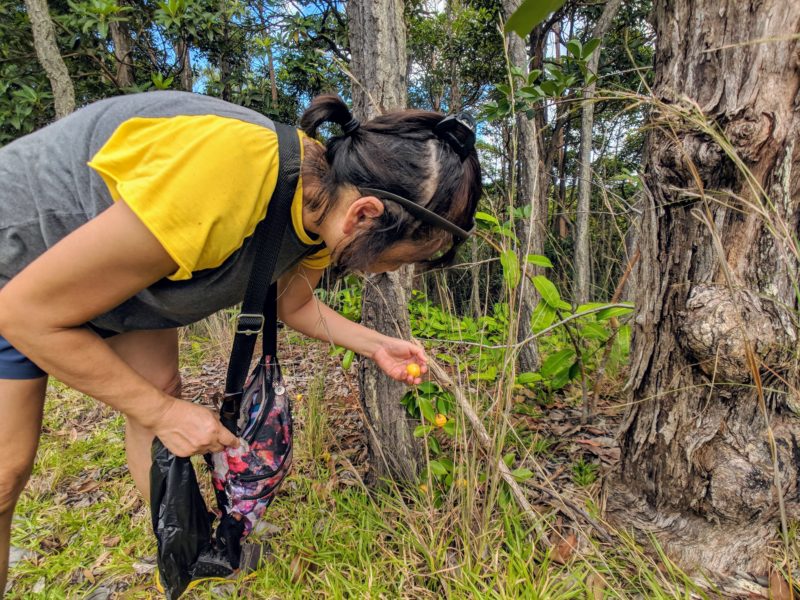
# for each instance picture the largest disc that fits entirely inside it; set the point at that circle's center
(187, 429)
(393, 356)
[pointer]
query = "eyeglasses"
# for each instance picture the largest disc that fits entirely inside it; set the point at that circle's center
(429, 217)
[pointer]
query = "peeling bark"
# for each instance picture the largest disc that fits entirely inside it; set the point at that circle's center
(44, 40)
(378, 55)
(716, 306)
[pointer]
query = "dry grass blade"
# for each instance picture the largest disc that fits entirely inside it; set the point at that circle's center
(483, 437)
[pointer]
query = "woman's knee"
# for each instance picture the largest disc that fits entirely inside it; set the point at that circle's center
(13, 477)
(171, 384)
(153, 354)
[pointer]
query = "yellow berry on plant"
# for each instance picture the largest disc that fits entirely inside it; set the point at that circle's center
(440, 420)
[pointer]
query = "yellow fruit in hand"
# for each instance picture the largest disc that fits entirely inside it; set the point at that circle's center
(413, 369)
(440, 420)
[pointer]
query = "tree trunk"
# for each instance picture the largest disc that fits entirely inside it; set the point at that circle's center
(123, 48)
(475, 279)
(44, 40)
(530, 232)
(182, 50)
(273, 83)
(583, 267)
(378, 58)
(717, 308)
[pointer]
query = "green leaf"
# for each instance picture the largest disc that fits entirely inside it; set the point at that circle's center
(594, 331)
(614, 311)
(560, 380)
(434, 444)
(590, 47)
(437, 468)
(590, 306)
(574, 48)
(550, 88)
(530, 14)
(575, 370)
(428, 387)
(509, 459)
(558, 362)
(547, 290)
(426, 408)
(422, 430)
(446, 358)
(542, 317)
(528, 378)
(539, 261)
(486, 218)
(533, 75)
(522, 474)
(487, 374)
(450, 428)
(347, 361)
(510, 268)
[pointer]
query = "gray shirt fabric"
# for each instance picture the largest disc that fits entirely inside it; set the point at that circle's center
(47, 191)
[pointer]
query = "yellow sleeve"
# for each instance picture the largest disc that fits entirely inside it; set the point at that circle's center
(200, 184)
(322, 258)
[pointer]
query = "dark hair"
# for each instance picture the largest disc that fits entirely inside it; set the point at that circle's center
(398, 152)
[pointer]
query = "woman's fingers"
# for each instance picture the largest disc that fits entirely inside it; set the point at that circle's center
(227, 439)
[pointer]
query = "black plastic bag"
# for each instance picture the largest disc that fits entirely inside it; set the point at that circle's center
(181, 521)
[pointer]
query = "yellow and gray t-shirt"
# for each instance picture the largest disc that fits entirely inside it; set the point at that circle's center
(198, 172)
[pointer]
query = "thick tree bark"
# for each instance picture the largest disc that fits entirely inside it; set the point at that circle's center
(583, 263)
(530, 232)
(44, 40)
(717, 309)
(378, 58)
(123, 48)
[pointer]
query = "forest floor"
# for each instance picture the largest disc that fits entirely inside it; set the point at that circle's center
(82, 531)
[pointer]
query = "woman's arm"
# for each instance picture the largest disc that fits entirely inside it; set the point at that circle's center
(302, 311)
(92, 270)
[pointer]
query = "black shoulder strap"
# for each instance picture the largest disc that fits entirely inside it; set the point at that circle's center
(259, 308)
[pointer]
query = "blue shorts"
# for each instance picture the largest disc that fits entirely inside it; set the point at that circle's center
(15, 365)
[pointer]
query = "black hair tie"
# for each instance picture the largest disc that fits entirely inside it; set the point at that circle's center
(459, 133)
(351, 126)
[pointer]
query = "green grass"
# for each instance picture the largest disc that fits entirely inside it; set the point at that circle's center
(80, 513)
(330, 540)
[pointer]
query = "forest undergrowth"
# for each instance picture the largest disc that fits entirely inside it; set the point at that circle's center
(82, 531)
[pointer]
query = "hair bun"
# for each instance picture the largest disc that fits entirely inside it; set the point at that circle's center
(459, 132)
(328, 108)
(351, 126)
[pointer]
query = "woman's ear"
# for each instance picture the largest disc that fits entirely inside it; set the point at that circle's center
(360, 213)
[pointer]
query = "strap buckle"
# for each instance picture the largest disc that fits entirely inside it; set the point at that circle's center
(249, 323)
